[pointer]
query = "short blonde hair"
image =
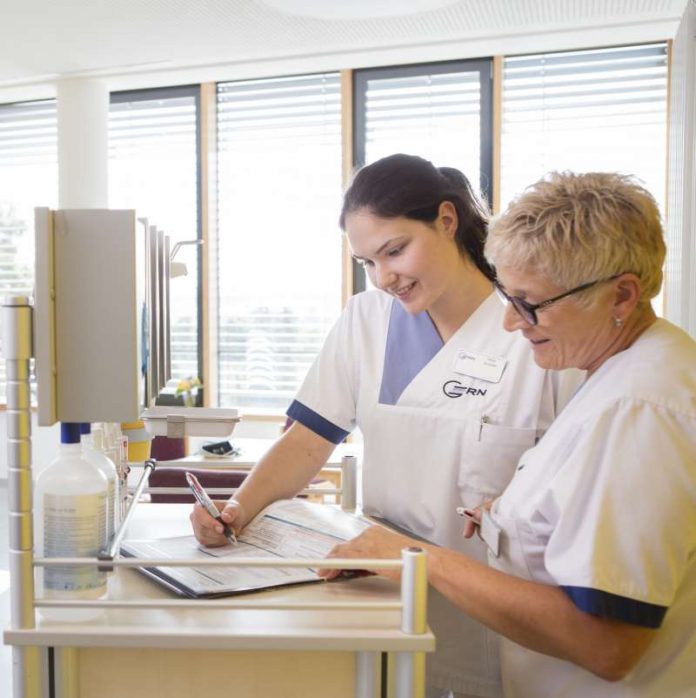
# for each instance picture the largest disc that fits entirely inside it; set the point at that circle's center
(575, 228)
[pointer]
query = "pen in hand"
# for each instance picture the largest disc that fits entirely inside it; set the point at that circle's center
(207, 503)
(468, 514)
(473, 524)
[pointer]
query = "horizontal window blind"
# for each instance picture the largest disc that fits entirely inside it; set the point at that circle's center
(279, 245)
(440, 112)
(153, 168)
(595, 110)
(436, 116)
(28, 178)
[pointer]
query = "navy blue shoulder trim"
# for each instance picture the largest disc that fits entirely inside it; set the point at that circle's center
(606, 605)
(309, 418)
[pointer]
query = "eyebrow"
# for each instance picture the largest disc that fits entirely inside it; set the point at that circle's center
(522, 294)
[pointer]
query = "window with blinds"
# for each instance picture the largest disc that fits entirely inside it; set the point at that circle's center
(28, 178)
(439, 111)
(153, 168)
(278, 240)
(598, 110)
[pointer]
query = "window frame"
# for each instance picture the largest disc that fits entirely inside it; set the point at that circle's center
(361, 77)
(50, 103)
(592, 55)
(256, 413)
(170, 92)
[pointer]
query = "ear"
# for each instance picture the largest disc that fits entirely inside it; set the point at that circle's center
(626, 295)
(447, 218)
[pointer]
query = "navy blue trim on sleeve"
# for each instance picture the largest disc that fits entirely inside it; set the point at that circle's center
(309, 418)
(606, 605)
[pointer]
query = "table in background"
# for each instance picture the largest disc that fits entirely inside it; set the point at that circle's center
(251, 451)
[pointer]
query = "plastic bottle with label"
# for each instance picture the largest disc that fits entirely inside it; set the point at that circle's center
(71, 503)
(93, 451)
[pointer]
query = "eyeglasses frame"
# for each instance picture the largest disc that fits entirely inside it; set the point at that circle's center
(528, 311)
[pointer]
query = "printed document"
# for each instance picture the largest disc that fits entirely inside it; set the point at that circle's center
(292, 528)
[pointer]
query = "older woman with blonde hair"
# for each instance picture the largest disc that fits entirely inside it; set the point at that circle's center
(592, 546)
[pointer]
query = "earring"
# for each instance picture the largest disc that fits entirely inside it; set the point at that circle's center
(618, 322)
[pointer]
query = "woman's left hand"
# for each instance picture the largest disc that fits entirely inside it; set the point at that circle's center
(376, 542)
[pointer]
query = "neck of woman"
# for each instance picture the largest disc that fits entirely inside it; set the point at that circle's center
(460, 300)
(633, 327)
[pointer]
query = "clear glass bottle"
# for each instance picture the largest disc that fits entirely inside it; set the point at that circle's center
(70, 504)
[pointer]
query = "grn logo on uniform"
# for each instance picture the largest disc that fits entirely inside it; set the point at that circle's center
(455, 389)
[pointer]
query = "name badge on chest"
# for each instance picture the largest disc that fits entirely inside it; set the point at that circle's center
(481, 366)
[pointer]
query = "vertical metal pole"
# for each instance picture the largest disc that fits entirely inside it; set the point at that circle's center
(27, 673)
(349, 482)
(367, 674)
(67, 673)
(410, 666)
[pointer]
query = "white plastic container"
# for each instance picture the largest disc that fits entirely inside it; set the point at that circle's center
(178, 422)
(93, 451)
(71, 520)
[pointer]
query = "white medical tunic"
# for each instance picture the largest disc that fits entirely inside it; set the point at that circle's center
(605, 508)
(436, 436)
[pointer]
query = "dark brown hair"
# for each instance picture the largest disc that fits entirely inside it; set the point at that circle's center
(409, 186)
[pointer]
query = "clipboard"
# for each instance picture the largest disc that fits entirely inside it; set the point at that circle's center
(286, 529)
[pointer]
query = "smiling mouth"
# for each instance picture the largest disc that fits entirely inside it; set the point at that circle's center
(398, 292)
(538, 341)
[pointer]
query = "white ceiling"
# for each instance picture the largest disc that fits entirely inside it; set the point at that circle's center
(147, 42)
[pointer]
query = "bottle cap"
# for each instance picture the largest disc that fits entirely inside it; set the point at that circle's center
(131, 426)
(70, 432)
(85, 428)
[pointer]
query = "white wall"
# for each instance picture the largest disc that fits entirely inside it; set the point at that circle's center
(532, 40)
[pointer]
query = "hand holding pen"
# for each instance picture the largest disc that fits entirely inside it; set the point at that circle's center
(471, 521)
(204, 532)
(479, 520)
(472, 518)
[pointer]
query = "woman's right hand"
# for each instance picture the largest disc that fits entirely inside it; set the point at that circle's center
(208, 531)
(473, 522)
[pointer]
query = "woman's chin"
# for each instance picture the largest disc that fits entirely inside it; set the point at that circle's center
(544, 357)
(411, 303)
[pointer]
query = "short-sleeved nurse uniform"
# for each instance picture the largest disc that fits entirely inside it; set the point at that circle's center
(605, 508)
(443, 425)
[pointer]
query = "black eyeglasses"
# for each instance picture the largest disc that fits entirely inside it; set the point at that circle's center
(528, 311)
